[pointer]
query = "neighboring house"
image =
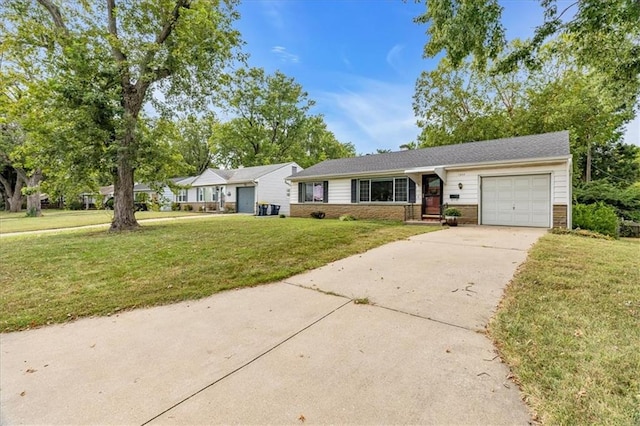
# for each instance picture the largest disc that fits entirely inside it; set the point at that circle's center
(239, 190)
(519, 181)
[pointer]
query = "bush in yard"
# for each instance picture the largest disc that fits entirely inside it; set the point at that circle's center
(317, 215)
(625, 200)
(175, 207)
(75, 205)
(597, 217)
(187, 207)
(346, 218)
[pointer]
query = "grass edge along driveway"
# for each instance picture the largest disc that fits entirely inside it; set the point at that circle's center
(569, 328)
(53, 278)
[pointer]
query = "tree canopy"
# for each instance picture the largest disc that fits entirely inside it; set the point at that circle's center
(101, 63)
(604, 34)
(272, 123)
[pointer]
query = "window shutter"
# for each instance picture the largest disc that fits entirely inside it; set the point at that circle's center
(412, 191)
(300, 192)
(354, 191)
(325, 191)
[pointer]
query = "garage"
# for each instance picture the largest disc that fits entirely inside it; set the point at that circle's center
(246, 199)
(516, 200)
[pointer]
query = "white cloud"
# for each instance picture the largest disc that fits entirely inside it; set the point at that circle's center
(273, 11)
(394, 57)
(285, 56)
(371, 114)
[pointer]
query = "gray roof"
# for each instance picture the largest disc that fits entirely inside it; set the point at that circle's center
(547, 145)
(247, 174)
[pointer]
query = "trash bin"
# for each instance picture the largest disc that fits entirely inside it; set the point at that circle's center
(262, 209)
(275, 209)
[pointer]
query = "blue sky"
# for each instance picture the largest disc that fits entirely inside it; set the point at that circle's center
(359, 59)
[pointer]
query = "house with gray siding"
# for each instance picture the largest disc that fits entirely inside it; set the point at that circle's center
(518, 181)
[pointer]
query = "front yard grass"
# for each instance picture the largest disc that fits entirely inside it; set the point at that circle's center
(51, 278)
(569, 327)
(57, 219)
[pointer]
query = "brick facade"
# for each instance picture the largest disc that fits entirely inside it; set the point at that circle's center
(469, 213)
(359, 211)
(398, 212)
(559, 216)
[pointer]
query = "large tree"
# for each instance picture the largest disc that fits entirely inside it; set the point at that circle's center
(602, 37)
(605, 34)
(191, 139)
(272, 123)
(462, 104)
(107, 60)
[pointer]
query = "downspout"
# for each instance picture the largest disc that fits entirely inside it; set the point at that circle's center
(570, 190)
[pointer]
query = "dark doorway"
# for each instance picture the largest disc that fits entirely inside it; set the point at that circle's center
(431, 195)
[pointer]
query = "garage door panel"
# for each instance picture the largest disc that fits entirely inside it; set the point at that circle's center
(523, 200)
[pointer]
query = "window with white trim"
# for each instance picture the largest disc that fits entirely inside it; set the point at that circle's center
(182, 196)
(386, 190)
(200, 194)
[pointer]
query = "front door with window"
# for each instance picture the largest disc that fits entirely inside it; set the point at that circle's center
(431, 195)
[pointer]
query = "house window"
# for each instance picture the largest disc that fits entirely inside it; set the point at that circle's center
(200, 194)
(182, 196)
(383, 190)
(313, 192)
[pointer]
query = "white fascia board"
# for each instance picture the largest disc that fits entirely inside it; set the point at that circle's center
(384, 173)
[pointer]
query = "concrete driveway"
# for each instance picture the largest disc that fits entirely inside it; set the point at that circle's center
(298, 351)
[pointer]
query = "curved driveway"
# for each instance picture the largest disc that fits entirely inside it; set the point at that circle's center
(293, 352)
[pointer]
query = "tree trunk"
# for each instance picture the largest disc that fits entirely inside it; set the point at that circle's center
(123, 203)
(587, 172)
(33, 199)
(13, 194)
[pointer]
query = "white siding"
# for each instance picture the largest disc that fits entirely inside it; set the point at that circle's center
(208, 178)
(166, 198)
(339, 191)
(273, 188)
(470, 179)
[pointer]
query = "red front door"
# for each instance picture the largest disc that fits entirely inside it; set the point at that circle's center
(431, 194)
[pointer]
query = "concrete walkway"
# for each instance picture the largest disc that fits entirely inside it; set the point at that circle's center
(298, 351)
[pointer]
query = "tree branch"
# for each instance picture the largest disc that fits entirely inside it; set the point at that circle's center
(54, 11)
(143, 82)
(113, 30)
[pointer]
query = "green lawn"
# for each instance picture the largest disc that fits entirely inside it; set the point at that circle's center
(49, 278)
(569, 327)
(56, 219)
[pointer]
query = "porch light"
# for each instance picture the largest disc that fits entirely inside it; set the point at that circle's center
(460, 185)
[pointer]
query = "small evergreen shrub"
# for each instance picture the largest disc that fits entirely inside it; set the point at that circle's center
(597, 217)
(175, 207)
(187, 207)
(317, 215)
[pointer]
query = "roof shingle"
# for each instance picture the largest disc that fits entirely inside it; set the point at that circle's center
(547, 145)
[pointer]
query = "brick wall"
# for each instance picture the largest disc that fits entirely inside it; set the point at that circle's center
(359, 211)
(559, 216)
(469, 213)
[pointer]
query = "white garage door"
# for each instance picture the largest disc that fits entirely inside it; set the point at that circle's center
(516, 200)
